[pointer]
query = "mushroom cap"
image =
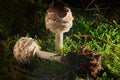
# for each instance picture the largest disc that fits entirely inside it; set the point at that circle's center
(25, 48)
(59, 19)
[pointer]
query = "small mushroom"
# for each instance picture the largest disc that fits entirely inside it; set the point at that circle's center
(28, 47)
(59, 20)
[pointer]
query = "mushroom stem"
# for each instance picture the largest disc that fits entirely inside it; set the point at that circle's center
(49, 55)
(59, 41)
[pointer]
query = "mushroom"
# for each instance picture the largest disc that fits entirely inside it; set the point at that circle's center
(87, 62)
(59, 20)
(28, 47)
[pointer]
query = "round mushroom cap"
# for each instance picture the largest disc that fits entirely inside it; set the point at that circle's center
(25, 48)
(59, 19)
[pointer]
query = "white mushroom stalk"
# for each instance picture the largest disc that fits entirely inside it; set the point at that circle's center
(28, 47)
(59, 20)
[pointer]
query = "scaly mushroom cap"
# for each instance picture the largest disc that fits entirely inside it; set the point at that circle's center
(59, 19)
(25, 48)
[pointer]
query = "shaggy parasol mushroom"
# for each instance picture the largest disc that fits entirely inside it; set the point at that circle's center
(28, 47)
(59, 20)
(87, 62)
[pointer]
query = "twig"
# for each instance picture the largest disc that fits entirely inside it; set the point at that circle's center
(89, 4)
(97, 8)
